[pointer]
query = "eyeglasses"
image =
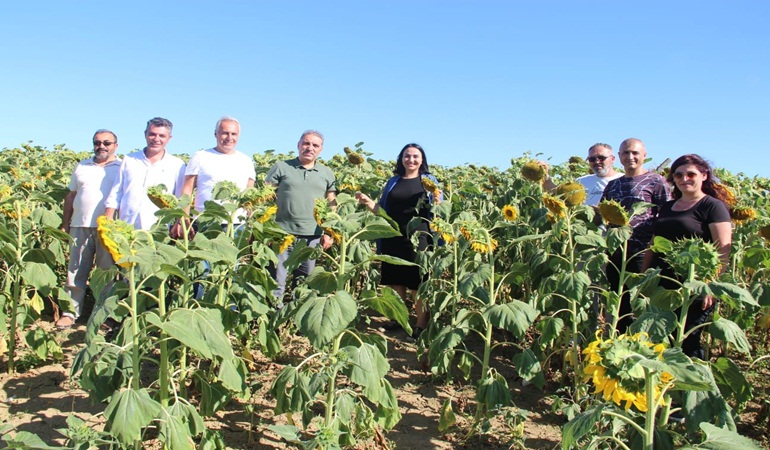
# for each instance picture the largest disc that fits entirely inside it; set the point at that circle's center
(106, 143)
(680, 175)
(599, 158)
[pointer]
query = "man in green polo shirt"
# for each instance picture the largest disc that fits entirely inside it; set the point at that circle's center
(299, 182)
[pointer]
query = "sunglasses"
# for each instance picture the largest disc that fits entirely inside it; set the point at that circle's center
(106, 143)
(599, 158)
(680, 175)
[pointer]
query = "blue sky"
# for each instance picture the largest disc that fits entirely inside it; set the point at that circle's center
(472, 81)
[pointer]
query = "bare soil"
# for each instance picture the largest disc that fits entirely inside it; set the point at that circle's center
(40, 399)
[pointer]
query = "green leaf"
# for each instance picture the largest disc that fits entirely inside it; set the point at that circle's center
(219, 249)
(515, 317)
(721, 439)
(580, 426)
(617, 236)
(657, 324)
(128, 412)
(728, 331)
(290, 433)
(573, 285)
(380, 229)
(38, 275)
(731, 381)
(321, 319)
(473, 280)
(447, 417)
(189, 415)
(27, 440)
(387, 414)
(367, 365)
(528, 367)
(322, 281)
(232, 373)
(493, 392)
(174, 433)
(392, 260)
(389, 305)
(550, 328)
(730, 292)
(201, 329)
(214, 396)
(689, 375)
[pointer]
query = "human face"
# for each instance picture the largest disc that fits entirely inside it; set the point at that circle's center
(227, 136)
(412, 160)
(632, 157)
(104, 147)
(689, 179)
(600, 159)
(309, 147)
(157, 138)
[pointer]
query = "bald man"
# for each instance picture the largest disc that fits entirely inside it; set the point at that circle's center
(636, 185)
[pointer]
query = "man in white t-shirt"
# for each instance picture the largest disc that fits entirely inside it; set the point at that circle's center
(221, 163)
(601, 159)
(144, 169)
(90, 184)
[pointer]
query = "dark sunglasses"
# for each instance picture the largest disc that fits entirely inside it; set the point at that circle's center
(600, 158)
(680, 175)
(106, 143)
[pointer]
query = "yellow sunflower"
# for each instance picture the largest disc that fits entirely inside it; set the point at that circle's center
(442, 227)
(160, 197)
(742, 214)
(255, 196)
(555, 205)
(484, 247)
(510, 213)
(5, 191)
(269, 213)
(10, 211)
(533, 171)
(115, 236)
(613, 213)
(287, 241)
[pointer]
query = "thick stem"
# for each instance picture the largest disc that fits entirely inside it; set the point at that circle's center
(164, 357)
(680, 335)
(132, 292)
(652, 407)
(332, 388)
(12, 330)
(621, 289)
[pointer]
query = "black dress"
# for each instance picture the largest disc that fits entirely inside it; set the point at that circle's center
(402, 204)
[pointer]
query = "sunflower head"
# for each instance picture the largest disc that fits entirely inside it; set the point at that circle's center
(510, 213)
(613, 213)
(268, 214)
(444, 228)
(428, 184)
(115, 236)
(533, 171)
(572, 192)
(288, 240)
(555, 205)
(5, 191)
(741, 214)
(10, 210)
(225, 190)
(255, 196)
(355, 158)
(160, 197)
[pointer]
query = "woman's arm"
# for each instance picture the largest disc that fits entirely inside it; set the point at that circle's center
(722, 234)
(367, 201)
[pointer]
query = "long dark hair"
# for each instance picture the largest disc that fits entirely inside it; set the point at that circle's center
(401, 170)
(711, 185)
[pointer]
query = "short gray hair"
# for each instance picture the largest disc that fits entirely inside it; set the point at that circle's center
(599, 145)
(104, 130)
(314, 132)
(226, 119)
(159, 122)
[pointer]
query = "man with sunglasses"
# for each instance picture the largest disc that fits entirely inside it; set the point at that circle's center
(89, 186)
(636, 185)
(600, 159)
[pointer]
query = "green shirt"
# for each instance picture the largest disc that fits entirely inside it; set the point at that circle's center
(297, 189)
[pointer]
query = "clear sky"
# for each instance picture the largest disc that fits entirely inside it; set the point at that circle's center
(471, 81)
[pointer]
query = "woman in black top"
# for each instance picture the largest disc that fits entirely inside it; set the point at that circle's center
(697, 211)
(404, 198)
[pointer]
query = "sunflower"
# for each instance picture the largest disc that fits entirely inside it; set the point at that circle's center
(268, 214)
(10, 211)
(115, 236)
(572, 192)
(225, 190)
(611, 365)
(160, 197)
(442, 227)
(613, 213)
(479, 238)
(430, 186)
(510, 213)
(742, 214)
(336, 236)
(556, 206)
(355, 158)
(287, 241)
(533, 171)
(5, 191)
(254, 196)
(484, 247)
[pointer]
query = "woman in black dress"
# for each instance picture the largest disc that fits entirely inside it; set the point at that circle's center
(698, 210)
(404, 198)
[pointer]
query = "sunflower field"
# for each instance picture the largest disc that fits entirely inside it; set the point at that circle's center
(514, 284)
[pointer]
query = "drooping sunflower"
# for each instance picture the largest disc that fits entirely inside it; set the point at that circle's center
(765, 232)
(160, 197)
(5, 191)
(742, 214)
(354, 157)
(268, 214)
(442, 227)
(555, 205)
(115, 236)
(479, 238)
(287, 241)
(255, 196)
(572, 192)
(430, 186)
(612, 367)
(613, 213)
(533, 171)
(510, 213)
(323, 212)
(10, 211)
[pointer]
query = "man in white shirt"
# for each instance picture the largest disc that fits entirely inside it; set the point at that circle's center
(601, 159)
(90, 184)
(143, 169)
(221, 163)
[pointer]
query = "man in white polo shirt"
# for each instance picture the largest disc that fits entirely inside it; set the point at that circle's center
(141, 170)
(90, 184)
(221, 163)
(600, 159)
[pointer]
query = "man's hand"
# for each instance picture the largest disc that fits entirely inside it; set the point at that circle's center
(326, 241)
(177, 230)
